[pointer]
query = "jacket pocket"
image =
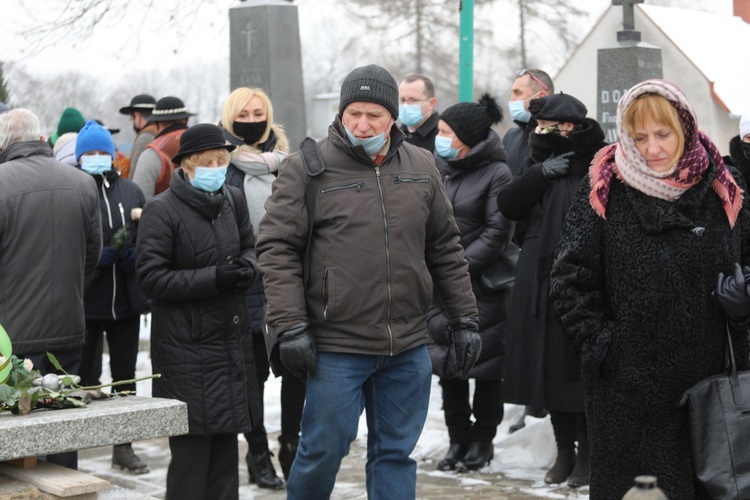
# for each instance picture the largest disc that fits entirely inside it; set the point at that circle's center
(400, 179)
(354, 185)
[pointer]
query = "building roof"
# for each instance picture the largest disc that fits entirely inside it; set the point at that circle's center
(716, 44)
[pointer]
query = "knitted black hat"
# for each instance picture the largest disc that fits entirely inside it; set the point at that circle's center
(370, 84)
(169, 109)
(142, 103)
(199, 138)
(471, 121)
(558, 108)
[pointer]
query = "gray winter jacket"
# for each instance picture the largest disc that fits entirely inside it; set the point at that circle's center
(50, 241)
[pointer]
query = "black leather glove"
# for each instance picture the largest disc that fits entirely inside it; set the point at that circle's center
(248, 275)
(556, 166)
(297, 351)
(228, 274)
(466, 342)
(732, 294)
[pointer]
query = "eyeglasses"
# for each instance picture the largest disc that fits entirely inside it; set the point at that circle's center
(411, 101)
(537, 80)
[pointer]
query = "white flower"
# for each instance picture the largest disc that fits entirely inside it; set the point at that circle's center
(28, 364)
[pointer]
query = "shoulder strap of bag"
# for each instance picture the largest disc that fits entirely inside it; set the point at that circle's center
(734, 381)
(312, 161)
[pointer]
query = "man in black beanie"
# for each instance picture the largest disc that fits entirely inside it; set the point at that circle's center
(347, 297)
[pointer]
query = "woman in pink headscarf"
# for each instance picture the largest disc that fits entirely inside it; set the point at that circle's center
(658, 219)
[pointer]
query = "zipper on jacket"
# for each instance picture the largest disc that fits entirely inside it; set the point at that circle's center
(111, 229)
(357, 185)
(403, 180)
(387, 263)
(325, 294)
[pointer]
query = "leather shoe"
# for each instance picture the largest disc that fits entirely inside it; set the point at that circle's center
(287, 454)
(455, 453)
(124, 458)
(479, 455)
(261, 471)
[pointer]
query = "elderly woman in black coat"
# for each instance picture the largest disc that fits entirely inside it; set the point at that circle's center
(658, 219)
(471, 159)
(196, 259)
(542, 370)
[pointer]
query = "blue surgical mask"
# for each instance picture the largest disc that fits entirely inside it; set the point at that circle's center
(209, 179)
(96, 164)
(371, 144)
(518, 111)
(410, 114)
(443, 147)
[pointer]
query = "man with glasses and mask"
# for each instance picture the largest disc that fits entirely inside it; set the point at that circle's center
(529, 84)
(416, 111)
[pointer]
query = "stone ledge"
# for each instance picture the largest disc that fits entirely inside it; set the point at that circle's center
(100, 423)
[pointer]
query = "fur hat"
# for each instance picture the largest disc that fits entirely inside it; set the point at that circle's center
(142, 103)
(370, 84)
(94, 137)
(169, 109)
(201, 137)
(558, 108)
(745, 125)
(70, 121)
(471, 121)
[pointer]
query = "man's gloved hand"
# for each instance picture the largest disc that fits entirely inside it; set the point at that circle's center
(556, 166)
(228, 275)
(297, 351)
(108, 258)
(466, 342)
(248, 274)
(127, 261)
(732, 294)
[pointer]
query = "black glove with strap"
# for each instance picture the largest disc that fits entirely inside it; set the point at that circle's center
(297, 351)
(556, 166)
(732, 294)
(466, 342)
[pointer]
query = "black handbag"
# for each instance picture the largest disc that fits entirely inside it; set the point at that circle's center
(502, 273)
(719, 408)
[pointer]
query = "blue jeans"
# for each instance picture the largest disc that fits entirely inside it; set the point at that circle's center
(395, 391)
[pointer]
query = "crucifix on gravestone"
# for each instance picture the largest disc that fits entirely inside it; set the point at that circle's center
(622, 65)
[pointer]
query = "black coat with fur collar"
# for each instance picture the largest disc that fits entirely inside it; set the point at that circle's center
(633, 293)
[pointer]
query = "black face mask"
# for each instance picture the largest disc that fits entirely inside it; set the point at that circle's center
(746, 149)
(250, 132)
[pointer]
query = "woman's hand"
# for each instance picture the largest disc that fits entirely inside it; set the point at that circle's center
(732, 295)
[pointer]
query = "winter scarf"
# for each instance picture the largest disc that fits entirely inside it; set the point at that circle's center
(258, 168)
(624, 160)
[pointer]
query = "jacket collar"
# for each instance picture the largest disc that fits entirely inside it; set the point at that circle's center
(25, 149)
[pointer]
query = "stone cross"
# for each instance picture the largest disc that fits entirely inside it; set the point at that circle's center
(628, 20)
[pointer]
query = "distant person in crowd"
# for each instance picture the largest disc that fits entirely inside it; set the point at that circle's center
(195, 261)
(542, 370)
(64, 150)
(261, 144)
(416, 111)
(471, 160)
(153, 170)
(529, 84)
(112, 299)
(382, 224)
(739, 148)
(71, 120)
(139, 111)
(51, 226)
(657, 223)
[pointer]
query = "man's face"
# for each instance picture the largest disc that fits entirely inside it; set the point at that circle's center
(522, 91)
(367, 119)
(412, 93)
(139, 121)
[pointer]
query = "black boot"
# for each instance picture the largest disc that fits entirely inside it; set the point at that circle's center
(261, 471)
(124, 458)
(455, 453)
(287, 453)
(582, 470)
(479, 455)
(564, 426)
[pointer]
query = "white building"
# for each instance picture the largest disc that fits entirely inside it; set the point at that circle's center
(704, 54)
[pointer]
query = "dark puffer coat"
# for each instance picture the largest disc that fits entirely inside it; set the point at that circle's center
(737, 157)
(541, 370)
(200, 338)
(473, 184)
(633, 293)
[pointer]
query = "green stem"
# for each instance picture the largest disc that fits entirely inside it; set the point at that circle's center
(120, 382)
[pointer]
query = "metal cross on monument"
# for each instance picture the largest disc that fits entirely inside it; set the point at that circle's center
(628, 21)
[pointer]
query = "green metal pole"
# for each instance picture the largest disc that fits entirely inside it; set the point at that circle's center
(466, 52)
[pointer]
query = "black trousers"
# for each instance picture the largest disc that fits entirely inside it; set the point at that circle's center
(292, 402)
(122, 339)
(487, 409)
(70, 360)
(203, 468)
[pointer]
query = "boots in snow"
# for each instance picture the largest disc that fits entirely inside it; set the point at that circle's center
(124, 458)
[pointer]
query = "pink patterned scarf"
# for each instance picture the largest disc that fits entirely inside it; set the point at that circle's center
(624, 160)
